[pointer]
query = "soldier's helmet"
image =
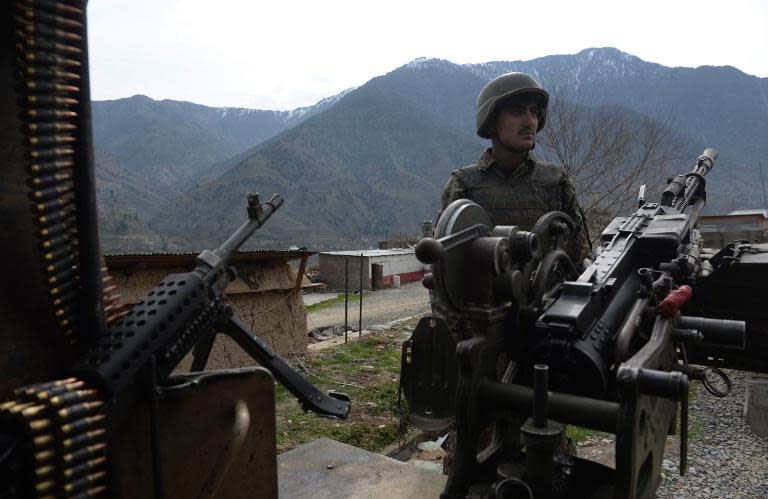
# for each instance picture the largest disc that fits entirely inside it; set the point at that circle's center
(501, 88)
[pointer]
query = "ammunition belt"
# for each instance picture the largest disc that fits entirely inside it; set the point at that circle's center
(63, 449)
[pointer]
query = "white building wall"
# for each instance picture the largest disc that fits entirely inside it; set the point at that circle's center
(398, 264)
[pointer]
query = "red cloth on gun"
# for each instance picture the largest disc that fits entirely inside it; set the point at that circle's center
(676, 298)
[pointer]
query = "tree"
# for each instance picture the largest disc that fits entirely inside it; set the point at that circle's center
(607, 152)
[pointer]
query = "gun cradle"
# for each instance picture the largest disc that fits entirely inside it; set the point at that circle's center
(607, 342)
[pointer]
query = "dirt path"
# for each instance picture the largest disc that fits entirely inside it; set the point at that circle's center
(379, 307)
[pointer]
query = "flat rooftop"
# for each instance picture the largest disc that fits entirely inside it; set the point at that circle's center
(369, 253)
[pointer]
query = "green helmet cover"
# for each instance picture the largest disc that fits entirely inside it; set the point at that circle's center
(501, 88)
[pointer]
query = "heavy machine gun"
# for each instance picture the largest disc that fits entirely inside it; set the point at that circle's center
(521, 343)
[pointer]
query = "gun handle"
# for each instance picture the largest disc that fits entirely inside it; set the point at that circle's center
(332, 405)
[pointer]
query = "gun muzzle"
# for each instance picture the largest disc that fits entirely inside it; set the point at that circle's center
(710, 153)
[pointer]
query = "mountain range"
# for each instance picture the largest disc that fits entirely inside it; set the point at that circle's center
(374, 159)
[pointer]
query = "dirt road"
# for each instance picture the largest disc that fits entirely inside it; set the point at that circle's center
(379, 307)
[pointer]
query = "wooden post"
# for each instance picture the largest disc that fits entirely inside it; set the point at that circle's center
(300, 275)
(360, 319)
(346, 294)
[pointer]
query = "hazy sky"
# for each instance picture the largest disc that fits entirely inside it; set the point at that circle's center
(283, 54)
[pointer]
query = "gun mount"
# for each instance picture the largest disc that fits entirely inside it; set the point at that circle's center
(538, 345)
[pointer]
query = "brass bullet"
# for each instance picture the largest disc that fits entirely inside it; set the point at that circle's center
(83, 438)
(35, 15)
(56, 217)
(51, 113)
(28, 29)
(49, 140)
(53, 192)
(17, 408)
(64, 300)
(43, 181)
(84, 482)
(51, 100)
(56, 204)
(31, 390)
(65, 263)
(58, 241)
(30, 412)
(43, 440)
(86, 453)
(47, 86)
(55, 152)
(46, 486)
(76, 396)
(84, 467)
(44, 471)
(7, 405)
(58, 253)
(96, 491)
(62, 277)
(44, 456)
(54, 6)
(48, 58)
(49, 45)
(81, 424)
(78, 410)
(40, 424)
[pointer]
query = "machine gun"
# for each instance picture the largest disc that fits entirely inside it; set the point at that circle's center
(112, 419)
(62, 428)
(521, 343)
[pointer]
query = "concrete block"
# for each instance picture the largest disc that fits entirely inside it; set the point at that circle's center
(326, 469)
(756, 403)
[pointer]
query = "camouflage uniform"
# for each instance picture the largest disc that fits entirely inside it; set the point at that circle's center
(520, 197)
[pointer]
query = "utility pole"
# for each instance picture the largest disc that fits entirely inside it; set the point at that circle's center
(762, 182)
(360, 319)
(346, 295)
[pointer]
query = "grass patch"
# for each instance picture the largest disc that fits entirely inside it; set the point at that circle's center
(366, 369)
(333, 301)
(579, 434)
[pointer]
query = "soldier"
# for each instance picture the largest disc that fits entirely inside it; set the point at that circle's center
(508, 181)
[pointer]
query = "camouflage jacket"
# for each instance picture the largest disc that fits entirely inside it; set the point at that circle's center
(520, 197)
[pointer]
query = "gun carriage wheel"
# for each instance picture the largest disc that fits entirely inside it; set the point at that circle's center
(554, 232)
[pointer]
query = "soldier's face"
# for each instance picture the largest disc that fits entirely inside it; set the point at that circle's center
(516, 124)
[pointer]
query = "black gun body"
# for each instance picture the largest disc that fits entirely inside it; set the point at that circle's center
(166, 324)
(578, 331)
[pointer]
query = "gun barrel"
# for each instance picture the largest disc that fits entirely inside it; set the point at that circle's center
(248, 228)
(703, 165)
(710, 153)
(209, 262)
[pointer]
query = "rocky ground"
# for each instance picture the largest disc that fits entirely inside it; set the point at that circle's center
(725, 458)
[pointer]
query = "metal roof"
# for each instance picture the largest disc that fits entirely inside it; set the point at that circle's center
(762, 213)
(370, 253)
(122, 260)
